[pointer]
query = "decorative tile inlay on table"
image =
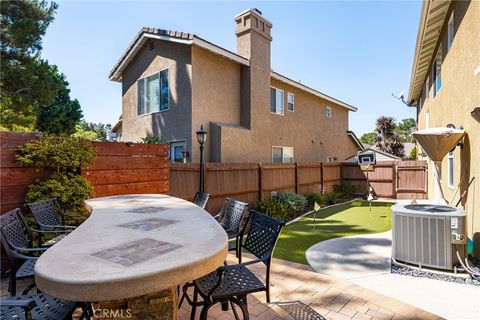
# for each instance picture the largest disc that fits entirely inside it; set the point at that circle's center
(136, 251)
(148, 224)
(147, 209)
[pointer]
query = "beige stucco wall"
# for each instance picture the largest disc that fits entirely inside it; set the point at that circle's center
(459, 95)
(171, 125)
(215, 94)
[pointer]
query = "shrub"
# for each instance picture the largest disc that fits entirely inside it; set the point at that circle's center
(344, 191)
(296, 202)
(274, 208)
(70, 190)
(331, 198)
(62, 157)
(315, 197)
(60, 153)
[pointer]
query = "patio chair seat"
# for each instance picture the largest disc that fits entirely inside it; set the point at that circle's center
(26, 270)
(46, 308)
(238, 280)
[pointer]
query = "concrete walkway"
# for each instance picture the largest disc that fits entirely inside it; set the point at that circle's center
(365, 261)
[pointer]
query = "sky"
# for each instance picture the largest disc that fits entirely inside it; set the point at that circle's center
(359, 52)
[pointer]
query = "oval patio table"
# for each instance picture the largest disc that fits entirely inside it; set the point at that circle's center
(132, 252)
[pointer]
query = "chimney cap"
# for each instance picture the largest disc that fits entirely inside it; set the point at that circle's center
(256, 12)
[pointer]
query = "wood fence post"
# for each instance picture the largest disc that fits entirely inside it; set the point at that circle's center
(394, 180)
(341, 173)
(296, 178)
(260, 181)
(205, 171)
(322, 181)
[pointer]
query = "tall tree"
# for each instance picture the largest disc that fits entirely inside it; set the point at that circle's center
(388, 140)
(368, 138)
(25, 80)
(63, 114)
(405, 129)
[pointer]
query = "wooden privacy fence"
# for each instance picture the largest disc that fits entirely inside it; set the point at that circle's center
(390, 179)
(121, 168)
(118, 169)
(250, 182)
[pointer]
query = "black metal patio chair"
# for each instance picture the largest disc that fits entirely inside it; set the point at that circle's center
(49, 215)
(232, 283)
(201, 199)
(17, 239)
(37, 306)
(230, 218)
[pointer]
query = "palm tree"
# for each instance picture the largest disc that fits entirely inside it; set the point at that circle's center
(387, 139)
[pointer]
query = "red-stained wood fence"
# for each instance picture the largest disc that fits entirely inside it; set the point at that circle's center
(118, 169)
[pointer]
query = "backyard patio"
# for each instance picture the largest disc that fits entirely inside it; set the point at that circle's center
(300, 293)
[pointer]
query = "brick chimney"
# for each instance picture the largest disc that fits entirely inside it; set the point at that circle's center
(253, 42)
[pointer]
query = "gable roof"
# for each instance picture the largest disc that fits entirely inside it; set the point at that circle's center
(355, 139)
(388, 155)
(190, 39)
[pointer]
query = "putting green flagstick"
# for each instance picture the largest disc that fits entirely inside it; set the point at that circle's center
(316, 207)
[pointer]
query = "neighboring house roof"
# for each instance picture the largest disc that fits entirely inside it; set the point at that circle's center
(190, 39)
(432, 18)
(118, 125)
(380, 156)
(355, 139)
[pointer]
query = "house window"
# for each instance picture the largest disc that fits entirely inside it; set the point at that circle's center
(450, 170)
(328, 112)
(176, 151)
(276, 100)
(282, 154)
(450, 31)
(291, 102)
(437, 71)
(153, 93)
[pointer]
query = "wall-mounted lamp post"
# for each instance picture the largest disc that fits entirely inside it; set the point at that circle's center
(201, 137)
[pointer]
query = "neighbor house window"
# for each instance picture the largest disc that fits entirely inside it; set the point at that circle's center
(153, 93)
(328, 112)
(437, 71)
(291, 102)
(450, 31)
(450, 170)
(282, 154)
(176, 151)
(276, 100)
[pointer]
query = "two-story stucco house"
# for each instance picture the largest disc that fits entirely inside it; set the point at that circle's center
(445, 89)
(174, 82)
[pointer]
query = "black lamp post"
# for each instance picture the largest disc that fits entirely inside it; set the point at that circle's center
(201, 137)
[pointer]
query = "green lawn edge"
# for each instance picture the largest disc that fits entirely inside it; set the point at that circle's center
(341, 220)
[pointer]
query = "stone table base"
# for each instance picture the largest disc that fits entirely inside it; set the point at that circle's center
(162, 305)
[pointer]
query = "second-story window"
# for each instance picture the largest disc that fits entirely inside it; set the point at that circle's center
(450, 31)
(328, 112)
(291, 102)
(437, 71)
(276, 100)
(153, 93)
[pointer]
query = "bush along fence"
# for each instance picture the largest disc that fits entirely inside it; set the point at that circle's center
(253, 182)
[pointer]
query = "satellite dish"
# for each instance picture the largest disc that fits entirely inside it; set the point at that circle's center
(401, 96)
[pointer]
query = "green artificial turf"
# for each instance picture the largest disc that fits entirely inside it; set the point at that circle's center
(342, 220)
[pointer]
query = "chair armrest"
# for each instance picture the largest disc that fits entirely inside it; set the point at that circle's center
(49, 231)
(28, 249)
(17, 255)
(56, 226)
(28, 304)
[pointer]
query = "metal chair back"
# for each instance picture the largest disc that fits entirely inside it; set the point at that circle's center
(201, 199)
(231, 215)
(13, 229)
(47, 213)
(262, 235)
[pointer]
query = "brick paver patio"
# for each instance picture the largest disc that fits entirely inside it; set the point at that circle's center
(300, 293)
